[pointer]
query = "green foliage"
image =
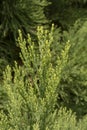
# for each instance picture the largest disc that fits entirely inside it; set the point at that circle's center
(21, 15)
(18, 14)
(72, 90)
(6, 56)
(44, 79)
(79, 3)
(64, 13)
(32, 91)
(73, 85)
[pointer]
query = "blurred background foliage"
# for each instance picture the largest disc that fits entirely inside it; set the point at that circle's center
(70, 19)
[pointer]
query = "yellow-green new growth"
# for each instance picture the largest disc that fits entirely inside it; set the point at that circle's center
(32, 95)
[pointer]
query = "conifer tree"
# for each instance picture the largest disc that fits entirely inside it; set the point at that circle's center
(18, 14)
(73, 85)
(31, 93)
(64, 13)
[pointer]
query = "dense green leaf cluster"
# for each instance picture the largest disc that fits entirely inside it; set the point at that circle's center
(73, 85)
(37, 63)
(64, 13)
(32, 91)
(18, 14)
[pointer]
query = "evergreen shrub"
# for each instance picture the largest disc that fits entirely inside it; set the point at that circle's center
(32, 90)
(18, 14)
(73, 84)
